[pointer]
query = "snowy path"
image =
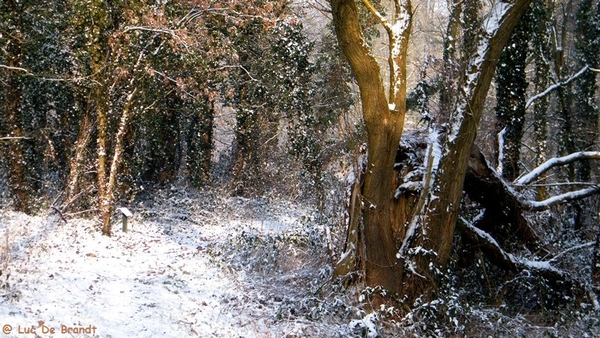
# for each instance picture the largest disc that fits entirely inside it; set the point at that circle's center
(182, 271)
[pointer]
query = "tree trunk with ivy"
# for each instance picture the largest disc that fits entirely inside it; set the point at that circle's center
(511, 88)
(541, 14)
(12, 105)
(587, 45)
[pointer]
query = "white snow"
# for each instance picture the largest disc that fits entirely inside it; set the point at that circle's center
(501, 136)
(187, 268)
(492, 22)
(367, 323)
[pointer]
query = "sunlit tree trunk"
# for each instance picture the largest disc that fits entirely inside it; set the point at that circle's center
(101, 100)
(384, 123)
(404, 245)
(77, 161)
(98, 49)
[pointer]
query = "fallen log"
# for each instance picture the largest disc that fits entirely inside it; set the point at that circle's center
(503, 216)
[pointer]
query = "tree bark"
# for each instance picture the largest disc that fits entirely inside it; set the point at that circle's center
(427, 241)
(104, 206)
(437, 224)
(384, 128)
(503, 215)
(76, 162)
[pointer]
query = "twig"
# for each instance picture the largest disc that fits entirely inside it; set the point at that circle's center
(16, 68)
(94, 210)
(8, 138)
(59, 213)
(574, 248)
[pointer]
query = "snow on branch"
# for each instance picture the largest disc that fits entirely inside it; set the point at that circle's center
(556, 161)
(376, 13)
(556, 86)
(562, 198)
(488, 37)
(505, 259)
(490, 243)
(9, 138)
(571, 249)
(15, 68)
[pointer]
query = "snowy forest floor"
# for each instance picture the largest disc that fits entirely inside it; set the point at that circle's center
(193, 264)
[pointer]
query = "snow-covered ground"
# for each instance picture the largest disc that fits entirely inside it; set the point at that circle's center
(191, 265)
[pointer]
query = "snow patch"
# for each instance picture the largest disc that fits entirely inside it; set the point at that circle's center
(189, 266)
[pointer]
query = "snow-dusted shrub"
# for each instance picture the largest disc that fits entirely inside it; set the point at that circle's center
(445, 315)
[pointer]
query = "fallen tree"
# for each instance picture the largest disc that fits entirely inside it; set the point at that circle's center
(493, 215)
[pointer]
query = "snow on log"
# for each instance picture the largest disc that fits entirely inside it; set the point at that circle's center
(506, 260)
(503, 217)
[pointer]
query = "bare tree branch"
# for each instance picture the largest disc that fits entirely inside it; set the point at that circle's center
(9, 138)
(508, 261)
(375, 12)
(556, 86)
(553, 162)
(562, 198)
(16, 68)
(571, 249)
(505, 259)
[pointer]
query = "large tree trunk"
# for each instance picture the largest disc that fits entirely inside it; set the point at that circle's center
(427, 240)
(433, 234)
(384, 128)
